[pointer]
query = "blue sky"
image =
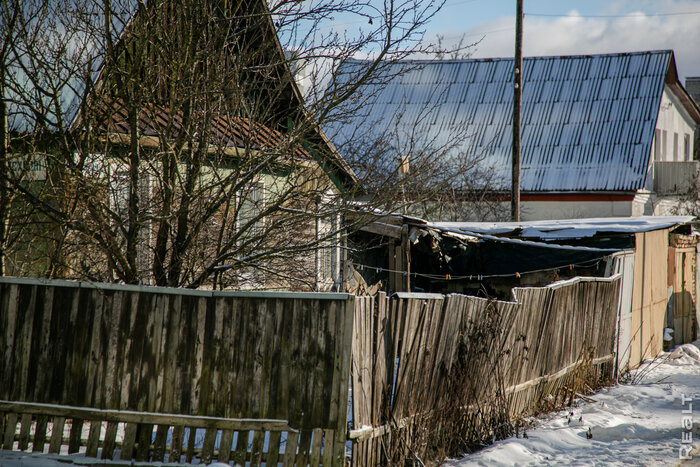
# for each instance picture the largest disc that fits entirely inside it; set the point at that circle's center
(581, 27)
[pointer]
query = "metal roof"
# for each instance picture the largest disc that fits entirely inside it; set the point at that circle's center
(588, 121)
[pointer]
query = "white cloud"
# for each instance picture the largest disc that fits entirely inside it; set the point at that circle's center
(577, 35)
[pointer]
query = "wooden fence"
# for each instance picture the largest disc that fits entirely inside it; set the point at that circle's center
(280, 358)
(417, 356)
(162, 374)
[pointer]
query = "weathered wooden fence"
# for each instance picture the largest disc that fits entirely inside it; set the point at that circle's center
(221, 357)
(421, 355)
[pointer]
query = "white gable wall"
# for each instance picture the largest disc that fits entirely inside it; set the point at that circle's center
(674, 128)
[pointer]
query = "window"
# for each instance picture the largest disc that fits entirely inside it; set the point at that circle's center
(251, 203)
(657, 145)
(663, 144)
(251, 206)
(675, 147)
(328, 253)
(686, 147)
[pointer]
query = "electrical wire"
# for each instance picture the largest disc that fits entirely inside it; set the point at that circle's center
(631, 15)
(478, 277)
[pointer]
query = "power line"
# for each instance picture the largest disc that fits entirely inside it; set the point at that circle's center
(631, 15)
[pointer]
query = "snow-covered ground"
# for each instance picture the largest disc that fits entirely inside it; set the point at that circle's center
(648, 422)
(652, 421)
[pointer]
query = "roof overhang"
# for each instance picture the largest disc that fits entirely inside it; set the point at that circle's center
(674, 83)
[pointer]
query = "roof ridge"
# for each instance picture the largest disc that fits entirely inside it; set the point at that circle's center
(532, 57)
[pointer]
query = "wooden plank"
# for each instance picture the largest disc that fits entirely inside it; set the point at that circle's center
(328, 448)
(57, 435)
(380, 384)
(191, 438)
(24, 344)
(343, 375)
(208, 445)
(93, 438)
(257, 450)
(40, 433)
(76, 431)
(240, 455)
(143, 443)
(110, 441)
(10, 427)
(290, 449)
(316, 443)
(304, 447)
(26, 424)
(176, 444)
(160, 442)
(225, 446)
(127, 452)
(144, 417)
(273, 448)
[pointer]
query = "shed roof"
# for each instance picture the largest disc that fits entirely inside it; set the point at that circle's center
(588, 121)
(567, 228)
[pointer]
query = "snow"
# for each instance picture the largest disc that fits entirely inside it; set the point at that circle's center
(569, 228)
(641, 423)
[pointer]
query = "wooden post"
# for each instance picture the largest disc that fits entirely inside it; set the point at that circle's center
(406, 253)
(517, 96)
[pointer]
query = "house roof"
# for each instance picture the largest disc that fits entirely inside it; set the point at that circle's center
(230, 132)
(227, 131)
(587, 121)
(567, 228)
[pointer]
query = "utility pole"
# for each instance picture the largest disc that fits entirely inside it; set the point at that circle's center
(517, 97)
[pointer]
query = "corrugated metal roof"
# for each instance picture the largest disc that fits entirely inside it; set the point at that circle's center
(588, 121)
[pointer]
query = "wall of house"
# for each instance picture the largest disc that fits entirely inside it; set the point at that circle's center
(675, 131)
(545, 210)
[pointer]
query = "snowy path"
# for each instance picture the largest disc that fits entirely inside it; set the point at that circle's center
(635, 424)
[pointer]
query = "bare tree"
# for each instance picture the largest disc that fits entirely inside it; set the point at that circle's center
(178, 148)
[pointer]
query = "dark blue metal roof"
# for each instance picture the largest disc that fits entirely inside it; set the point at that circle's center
(588, 121)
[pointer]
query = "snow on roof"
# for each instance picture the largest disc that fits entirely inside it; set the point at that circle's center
(568, 228)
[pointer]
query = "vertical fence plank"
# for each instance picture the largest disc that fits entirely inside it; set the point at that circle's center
(273, 448)
(290, 449)
(57, 435)
(328, 447)
(241, 453)
(191, 438)
(110, 440)
(176, 444)
(208, 445)
(225, 446)
(93, 438)
(143, 446)
(40, 433)
(304, 447)
(128, 444)
(10, 427)
(257, 450)
(76, 430)
(160, 442)
(316, 443)
(26, 424)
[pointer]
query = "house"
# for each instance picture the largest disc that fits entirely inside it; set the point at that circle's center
(692, 85)
(602, 135)
(185, 159)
